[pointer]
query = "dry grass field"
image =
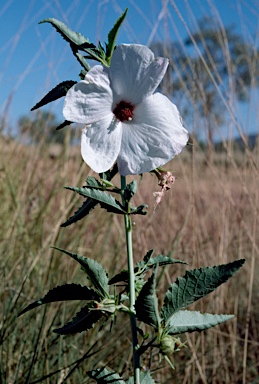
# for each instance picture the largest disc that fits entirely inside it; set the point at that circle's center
(210, 216)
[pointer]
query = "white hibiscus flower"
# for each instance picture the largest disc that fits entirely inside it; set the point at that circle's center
(125, 120)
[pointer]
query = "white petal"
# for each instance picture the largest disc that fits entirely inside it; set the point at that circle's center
(100, 143)
(89, 100)
(153, 137)
(135, 73)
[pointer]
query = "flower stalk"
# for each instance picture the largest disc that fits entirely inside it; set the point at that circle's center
(132, 296)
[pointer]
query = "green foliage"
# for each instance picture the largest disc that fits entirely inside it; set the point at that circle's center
(140, 210)
(63, 125)
(95, 193)
(83, 321)
(195, 285)
(71, 37)
(143, 266)
(112, 35)
(145, 378)
(105, 200)
(56, 93)
(104, 375)
(190, 321)
(147, 304)
(89, 204)
(96, 273)
(185, 291)
(130, 191)
(63, 293)
(80, 43)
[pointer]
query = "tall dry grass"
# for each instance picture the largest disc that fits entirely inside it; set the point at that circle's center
(209, 217)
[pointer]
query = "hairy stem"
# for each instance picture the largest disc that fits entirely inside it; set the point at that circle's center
(132, 297)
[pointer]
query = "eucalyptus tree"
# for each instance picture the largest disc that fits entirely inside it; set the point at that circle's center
(210, 71)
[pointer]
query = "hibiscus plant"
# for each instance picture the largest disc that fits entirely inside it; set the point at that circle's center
(129, 129)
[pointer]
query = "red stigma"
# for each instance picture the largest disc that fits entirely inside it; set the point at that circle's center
(124, 111)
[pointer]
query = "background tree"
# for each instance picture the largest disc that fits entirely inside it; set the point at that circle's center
(214, 61)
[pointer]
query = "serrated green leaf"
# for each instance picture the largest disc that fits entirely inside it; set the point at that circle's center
(83, 321)
(147, 257)
(147, 304)
(84, 210)
(190, 321)
(122, 276)
(56, 93)
(195, 285)
(104, 375)
(145, 378)
(68, 35)
(106, 200)
(64, 293)
(64, 124)
(90, 204)
(112, 35)
(94, 270)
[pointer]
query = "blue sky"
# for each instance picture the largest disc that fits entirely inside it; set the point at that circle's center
(34, 58)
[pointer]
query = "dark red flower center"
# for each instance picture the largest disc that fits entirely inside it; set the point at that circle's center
(124, 111)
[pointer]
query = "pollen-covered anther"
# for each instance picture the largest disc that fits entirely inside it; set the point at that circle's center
(124, 111)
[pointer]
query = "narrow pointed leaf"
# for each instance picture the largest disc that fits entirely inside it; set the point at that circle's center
(63, 293)
(106, 200)
(146, 304)
(68, 35)
(89, 204)
(122, 276)
(145, 378)
(84, 210)
(56, 93)
(190, 321)
(94, 270)
(195, 285)
(159, 260)
(83, 321)
(64, 124)
(104, 375)
(113, 35)
(147, 257)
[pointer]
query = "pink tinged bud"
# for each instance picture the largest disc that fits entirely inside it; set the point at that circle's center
(165, 181)
(158, 199)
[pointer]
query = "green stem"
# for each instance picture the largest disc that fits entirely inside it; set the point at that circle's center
(132, 297)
